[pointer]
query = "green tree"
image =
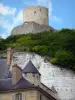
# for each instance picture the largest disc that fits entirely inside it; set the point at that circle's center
(64, 58)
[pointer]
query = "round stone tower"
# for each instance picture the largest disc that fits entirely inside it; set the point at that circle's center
(36, 14)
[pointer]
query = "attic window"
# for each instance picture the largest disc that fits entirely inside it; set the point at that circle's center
(18, 96)
(33, 75)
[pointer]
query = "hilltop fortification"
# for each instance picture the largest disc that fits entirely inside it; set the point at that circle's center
(35, 20)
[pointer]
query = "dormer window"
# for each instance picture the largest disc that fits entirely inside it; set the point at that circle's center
(33, 75)
(18, 96)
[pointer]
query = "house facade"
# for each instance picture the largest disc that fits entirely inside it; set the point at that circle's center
(23, 84)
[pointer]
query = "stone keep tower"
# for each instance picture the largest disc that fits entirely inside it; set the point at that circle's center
(35, 20)
(36, 14)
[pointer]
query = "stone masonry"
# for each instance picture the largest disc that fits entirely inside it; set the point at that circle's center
(35, 20)
(30, 27)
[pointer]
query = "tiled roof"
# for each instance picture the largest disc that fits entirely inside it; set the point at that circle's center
(4, 68)
(6, 84)
(30, 68)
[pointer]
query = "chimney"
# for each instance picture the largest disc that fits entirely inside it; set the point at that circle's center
(16, 74)
(9, 55)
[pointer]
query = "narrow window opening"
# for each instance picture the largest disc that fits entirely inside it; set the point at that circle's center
(35, 12)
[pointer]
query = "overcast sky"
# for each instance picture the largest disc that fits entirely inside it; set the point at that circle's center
(61, 13)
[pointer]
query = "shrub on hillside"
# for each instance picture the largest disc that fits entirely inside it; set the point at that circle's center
(40, 49)
(2, 46)
(53, 60)
(73, 68)
(64, 58)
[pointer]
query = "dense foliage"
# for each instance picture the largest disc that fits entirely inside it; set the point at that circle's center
(59, 45)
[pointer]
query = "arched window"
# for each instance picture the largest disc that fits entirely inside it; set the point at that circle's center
(18, 96)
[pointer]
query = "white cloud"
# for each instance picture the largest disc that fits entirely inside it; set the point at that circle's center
(56, 19)
(6, 24)
(7, 27)
(18, 19)
(5, 10)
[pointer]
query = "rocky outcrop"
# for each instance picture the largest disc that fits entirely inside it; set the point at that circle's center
(30, 27)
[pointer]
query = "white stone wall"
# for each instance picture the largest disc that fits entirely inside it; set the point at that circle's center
(62, 79)
(37, 14)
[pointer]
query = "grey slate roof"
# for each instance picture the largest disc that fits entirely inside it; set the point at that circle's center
(4, 68)
(6, 84)
(30, 68)
(9, 75)
(21, 84)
